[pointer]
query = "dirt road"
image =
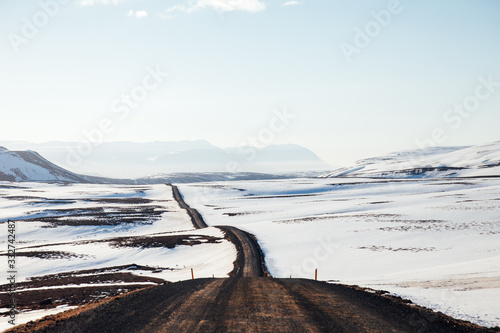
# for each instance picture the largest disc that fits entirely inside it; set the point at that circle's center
(256, 305)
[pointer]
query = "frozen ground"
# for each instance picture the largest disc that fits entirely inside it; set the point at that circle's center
(435, 242)
(102, 236)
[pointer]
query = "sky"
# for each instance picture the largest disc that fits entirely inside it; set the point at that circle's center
(346, 79)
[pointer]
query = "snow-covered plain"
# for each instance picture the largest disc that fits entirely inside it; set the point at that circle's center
(435, 242)
(76, 228)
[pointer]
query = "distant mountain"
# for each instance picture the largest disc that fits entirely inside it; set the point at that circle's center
(133, 160)
(197, 177)
(435, 162)
(18, 166)
(29, 166)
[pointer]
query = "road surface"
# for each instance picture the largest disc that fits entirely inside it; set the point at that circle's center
(255, 305)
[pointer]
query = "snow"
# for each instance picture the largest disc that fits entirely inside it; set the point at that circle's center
(17, 167)
(420, 239)
(27, 316)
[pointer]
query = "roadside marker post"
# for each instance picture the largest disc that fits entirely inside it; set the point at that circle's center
(316, 274)
(192, 274)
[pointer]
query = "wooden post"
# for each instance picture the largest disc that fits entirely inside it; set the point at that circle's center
(192, 274)
(316, 274)
(213, 276)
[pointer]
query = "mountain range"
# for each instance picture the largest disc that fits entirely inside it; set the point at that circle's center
(136, 160)
(433, 162)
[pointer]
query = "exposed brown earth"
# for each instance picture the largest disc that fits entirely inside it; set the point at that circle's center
(64, 287)
(146, 241)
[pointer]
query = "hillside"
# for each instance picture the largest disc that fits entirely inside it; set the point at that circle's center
(434, 162)
(18, 166)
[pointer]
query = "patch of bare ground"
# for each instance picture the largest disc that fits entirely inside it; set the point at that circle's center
(278, 196)
(128, 201)
(352, 218)
(47, 254)
(149, 241)
(95, 216)
(73, 296)
(452, 183)
(437, 225)
(372, 181)
(243, 213)
(219, 187)
(456, 283)
(45, 323)
(163, 241)
(397, 249)
(63, 288)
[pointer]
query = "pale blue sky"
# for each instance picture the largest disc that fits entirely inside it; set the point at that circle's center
(229, 69)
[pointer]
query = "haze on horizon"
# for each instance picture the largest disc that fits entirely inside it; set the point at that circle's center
(347, 80)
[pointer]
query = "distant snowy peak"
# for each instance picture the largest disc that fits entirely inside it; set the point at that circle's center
(434, 162)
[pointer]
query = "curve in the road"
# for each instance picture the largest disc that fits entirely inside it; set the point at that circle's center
(250, 260)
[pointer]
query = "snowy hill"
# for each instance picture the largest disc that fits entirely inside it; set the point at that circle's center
(434, 162)
(18, 166)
